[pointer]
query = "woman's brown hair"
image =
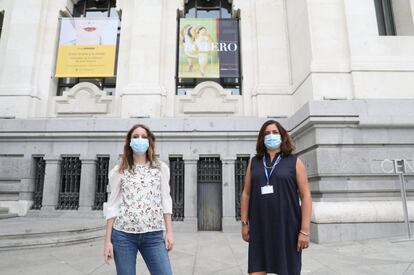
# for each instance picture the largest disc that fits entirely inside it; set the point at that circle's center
(127, 161)
(286, 147)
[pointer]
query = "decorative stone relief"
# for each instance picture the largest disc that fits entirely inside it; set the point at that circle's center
(83, 99)
(209, 98)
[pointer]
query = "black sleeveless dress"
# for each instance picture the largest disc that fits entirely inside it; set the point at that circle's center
(275, 219)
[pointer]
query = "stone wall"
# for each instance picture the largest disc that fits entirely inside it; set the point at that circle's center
(342, 143)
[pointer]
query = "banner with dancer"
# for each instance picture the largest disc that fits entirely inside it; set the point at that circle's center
(87, 47)
(208, 48)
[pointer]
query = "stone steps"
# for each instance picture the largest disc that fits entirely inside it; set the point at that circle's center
(7, 216)
(48, 239)
(60, 233)
(4, 210)
(4, 213)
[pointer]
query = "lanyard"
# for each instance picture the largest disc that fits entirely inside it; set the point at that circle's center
(273, 167)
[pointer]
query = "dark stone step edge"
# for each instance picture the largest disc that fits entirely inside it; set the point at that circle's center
(52, 234)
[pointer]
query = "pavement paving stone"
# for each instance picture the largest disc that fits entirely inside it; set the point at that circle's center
(396, 268)
(409, 270)
(207, 253)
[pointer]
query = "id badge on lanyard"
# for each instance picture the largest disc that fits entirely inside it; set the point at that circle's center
(268, 189)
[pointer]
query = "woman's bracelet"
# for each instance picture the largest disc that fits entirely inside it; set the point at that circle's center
(302, 232)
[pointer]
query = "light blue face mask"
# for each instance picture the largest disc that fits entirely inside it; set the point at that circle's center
(139, 145)
(272, 141)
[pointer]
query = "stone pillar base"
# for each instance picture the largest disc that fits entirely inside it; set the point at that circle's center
(342, 232)
(17, 207)
(47, 209)
(358, 220)
(189, 225)
(86, 209)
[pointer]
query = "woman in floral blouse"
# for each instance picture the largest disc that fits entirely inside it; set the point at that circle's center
(139, 208)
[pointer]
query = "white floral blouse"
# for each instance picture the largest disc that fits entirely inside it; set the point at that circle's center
(138, 200)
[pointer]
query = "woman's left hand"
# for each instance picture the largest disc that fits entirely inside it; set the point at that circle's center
(303, 241)
(169, 241)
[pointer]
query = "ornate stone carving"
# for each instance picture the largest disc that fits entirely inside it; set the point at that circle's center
(83, 99)
(209, 98)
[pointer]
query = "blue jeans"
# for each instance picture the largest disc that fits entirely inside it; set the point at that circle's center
(151, 246)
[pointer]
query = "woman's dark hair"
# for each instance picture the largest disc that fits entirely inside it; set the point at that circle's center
(127, 161)
(286, 147)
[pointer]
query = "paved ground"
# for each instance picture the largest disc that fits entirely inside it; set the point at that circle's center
(216, 253)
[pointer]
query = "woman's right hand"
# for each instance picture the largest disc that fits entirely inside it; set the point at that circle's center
(245, 232)
(108, 252)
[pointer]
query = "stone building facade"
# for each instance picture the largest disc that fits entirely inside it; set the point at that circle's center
(338, 74)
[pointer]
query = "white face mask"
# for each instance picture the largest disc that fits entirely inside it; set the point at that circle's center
(272, 141)
(139, 145)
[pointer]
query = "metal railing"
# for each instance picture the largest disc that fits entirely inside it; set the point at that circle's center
(240, 166)
(209, 169)
(39, 179)
(101, 181)
(69, 186)
(177, 187)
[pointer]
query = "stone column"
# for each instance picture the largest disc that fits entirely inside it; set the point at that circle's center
(21, 33)
(87, 184)
(167, 58)
(139, 60)
(51, 183)
(229, 203)
(266, 77)
(190, 193)
(249, 66)
(28, 28)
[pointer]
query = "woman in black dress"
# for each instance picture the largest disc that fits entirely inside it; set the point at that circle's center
(275, 221)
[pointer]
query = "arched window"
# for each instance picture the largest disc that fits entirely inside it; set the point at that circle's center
(195, 56)
(94, 8)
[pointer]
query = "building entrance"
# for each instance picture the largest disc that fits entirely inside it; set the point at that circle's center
(209, 193)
